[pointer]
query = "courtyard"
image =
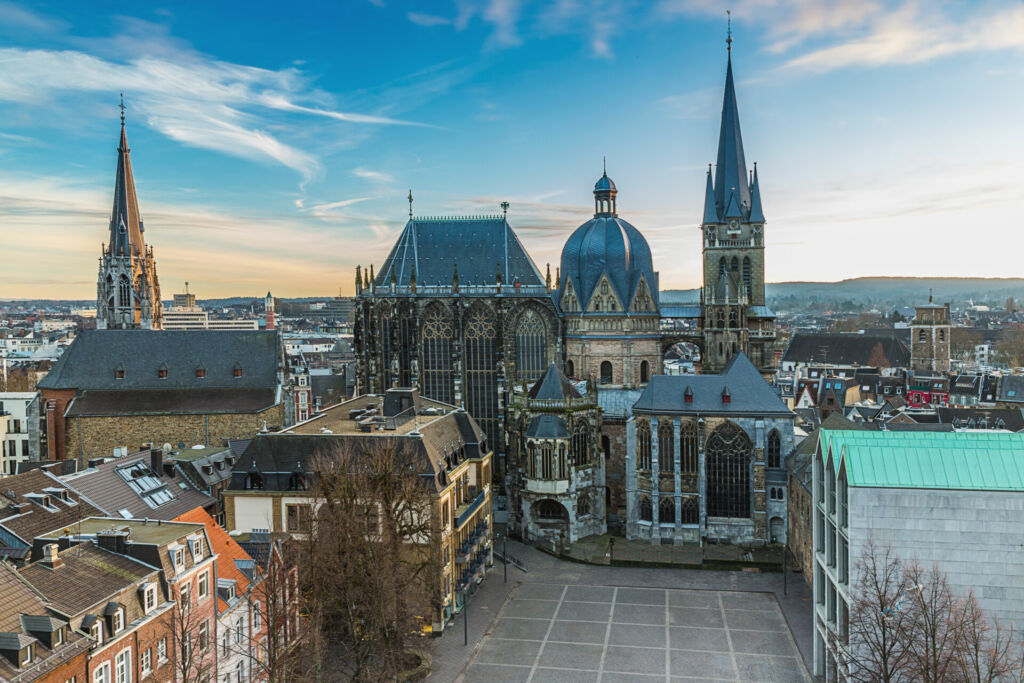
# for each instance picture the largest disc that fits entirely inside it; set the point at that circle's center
(563, 632)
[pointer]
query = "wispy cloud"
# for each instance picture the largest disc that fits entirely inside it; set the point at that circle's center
(421, 19)
(376, 176)
(330, 209)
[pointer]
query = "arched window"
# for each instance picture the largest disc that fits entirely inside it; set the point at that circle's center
(721, 267)
(645, 371)
(921, 336)
(733, 322)
(690, 512)
(942, 335)
(746, 275)
(581, 443)
(771, 494)
(297, 482)
(254, 480)
(124, 295)
(606, 372)
(774, 450)
(438, 334)
(597, 303)
(735, 266)
(721, 318)
(606, 445)
(728, 472)
(665, 447)
(646, 511)
(570, 369)
(546, 461)
(481, 370)
(530, 346)
(643, 445)
(688, 448)
(667, 511)
(583, 507)
(550, 510)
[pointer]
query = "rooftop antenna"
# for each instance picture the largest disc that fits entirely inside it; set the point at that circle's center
(410, 203)
(122, 108)
(728, 38)
(186, 286)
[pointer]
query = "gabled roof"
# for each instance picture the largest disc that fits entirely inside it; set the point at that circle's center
(225, 547)
(482, 247)
(88, 364)
(32, 519)
(749, 393)
(847, 349)
(554, 385)
(991, 461)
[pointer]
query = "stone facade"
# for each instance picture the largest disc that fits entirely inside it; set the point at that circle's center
(799, 530)
(929, 339)
(97, 437)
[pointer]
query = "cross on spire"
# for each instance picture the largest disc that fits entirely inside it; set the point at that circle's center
(122, 108)
(728, 36)
(410, 203)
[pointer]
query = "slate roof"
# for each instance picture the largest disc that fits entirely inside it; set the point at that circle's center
(126, 226)
(846, 349)
(681, 310)
(90, 362)
(749, 393)
(171, 402)
(481, 246)
(1011, 388)
(1012, 418)
(32, 519)
(105, 486)
(617, 403)
(991, 461)
(90, 575)
(547, 427)
(554, 385)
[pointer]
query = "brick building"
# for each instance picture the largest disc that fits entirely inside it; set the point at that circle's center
(124, 388)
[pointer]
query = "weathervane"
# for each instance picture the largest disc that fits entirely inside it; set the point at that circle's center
(122, 108)
(728, 39)
(504, 209)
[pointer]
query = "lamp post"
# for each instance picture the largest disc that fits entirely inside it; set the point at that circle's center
(504, 555)
(465, 616)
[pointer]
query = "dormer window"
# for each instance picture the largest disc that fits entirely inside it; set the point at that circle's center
(97, 632)
(254, 480)
(117, 623)
(148, 598)
(200, 372)
(26, 655)
(58, 638)
(237, 372)
(119, 372)
(197, 549)
(162, 371)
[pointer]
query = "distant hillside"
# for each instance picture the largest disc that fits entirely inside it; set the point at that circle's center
(883, 292)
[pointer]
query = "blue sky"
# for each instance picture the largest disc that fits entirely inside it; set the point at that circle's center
(274, 149)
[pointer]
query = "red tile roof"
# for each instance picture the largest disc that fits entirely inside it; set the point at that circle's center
(224, 546)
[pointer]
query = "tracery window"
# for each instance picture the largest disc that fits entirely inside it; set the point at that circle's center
(583, 507)
(774, 450)
(722, 268)
(481, 373)
(646, 511)
(665, 447)
(581, 444)
(690, 512)
(746, 275)
(688, 448)
(735, 266)
(721, 318)
(530, 346)
(546, 458)
(643, 445)
(733, 323)
(438, 335)
(667, 511)
(550, 510)
(728, 472)
(124, 292)
(405, 349)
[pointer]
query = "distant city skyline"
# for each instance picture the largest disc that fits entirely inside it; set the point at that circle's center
(275, 150)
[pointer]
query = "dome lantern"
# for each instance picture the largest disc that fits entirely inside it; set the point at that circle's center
(604, 196)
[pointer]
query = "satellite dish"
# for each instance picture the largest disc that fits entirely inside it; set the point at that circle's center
(167, 448)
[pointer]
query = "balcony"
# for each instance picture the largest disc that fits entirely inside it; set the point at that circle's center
(464, 512)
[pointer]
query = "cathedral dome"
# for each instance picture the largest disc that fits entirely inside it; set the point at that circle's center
(607, 246)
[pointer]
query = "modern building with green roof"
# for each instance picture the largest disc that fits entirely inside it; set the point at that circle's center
(950, 499)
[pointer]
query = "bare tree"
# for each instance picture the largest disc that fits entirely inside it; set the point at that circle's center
(371, 561)
(934, 627)
(878, 652)
(192, 633)
(988, 652)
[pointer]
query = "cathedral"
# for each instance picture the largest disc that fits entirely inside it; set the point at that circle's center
(127, 289)
(559, 373)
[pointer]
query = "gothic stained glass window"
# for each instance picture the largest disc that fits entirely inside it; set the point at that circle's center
(643, 445)
(690, 513)
(746, 275)
(581, 444)
(384, 348)
(728, 472)
(405, 349)
(530, 346)
(438, 334)
(774, 450)
(124, 292)
(665, 447)
(645, 371)
(546, 457)
(667, 511)
(646, 512)
(480, 333)
(722, 269)
(688, 448)
(735, 267)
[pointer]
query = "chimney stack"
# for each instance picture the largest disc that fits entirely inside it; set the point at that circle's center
(156, 461)
(50, 557)
(113, 540)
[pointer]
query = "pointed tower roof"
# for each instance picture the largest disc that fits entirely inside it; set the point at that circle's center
(125, 220)
(756, 212)
(710, 212)
(731, 173)
(554, 385)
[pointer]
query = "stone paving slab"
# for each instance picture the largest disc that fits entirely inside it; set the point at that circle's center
(560, 632)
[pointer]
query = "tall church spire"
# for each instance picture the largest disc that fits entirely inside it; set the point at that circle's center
(125, 221)
(731, 173)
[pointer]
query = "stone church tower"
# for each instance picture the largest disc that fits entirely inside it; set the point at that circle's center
(929, 338)
(127, 289)
(735, 317)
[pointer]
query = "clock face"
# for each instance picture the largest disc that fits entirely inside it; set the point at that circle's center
(734, 225)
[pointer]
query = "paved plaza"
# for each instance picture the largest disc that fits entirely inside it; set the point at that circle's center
(571, 632)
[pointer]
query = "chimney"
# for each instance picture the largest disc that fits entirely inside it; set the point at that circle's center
(156, 461)
(113, 540)
(50, 557)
